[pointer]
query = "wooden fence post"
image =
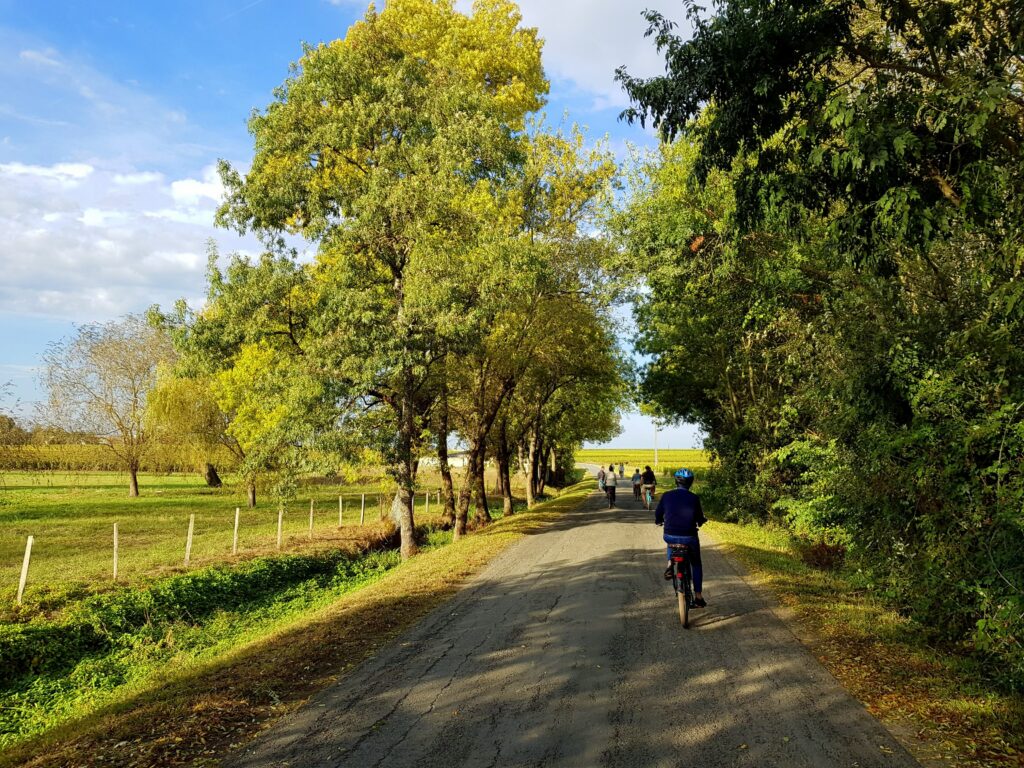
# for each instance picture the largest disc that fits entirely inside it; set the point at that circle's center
(341, 510)
(188, 540)
(280, 520)
(115, 551)
(24, 568)
(362, 509)
(234, 539)
(426, 502)
(311, 518)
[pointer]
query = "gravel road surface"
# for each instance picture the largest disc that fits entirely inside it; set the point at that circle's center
(567, 651)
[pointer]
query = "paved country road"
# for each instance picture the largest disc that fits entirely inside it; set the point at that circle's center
(567, 651)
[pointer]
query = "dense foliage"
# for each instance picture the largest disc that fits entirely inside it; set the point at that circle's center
(833, 228)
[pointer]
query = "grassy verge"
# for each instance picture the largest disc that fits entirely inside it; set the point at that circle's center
(937, 700)
(195, 709)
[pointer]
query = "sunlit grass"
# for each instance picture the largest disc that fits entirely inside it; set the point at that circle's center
(71, 516)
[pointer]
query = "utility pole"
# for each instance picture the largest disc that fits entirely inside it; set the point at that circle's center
(655, 446)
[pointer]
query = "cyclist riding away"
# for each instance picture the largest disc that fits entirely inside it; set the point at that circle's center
(610, 481)
(680, 512)
(648, 480)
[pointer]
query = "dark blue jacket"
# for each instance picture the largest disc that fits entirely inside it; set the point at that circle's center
(680, 510)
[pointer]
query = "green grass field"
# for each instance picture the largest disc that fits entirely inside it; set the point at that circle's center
(184, 686)
(668, 459)
(71, 517)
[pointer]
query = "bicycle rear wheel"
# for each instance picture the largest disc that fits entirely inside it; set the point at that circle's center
(688, 587)
(679, 582)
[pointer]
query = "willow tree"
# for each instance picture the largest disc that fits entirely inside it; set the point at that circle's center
(387, 149)
(240, 372)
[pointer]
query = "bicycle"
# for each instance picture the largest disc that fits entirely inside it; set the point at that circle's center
(682, 581)
(648, 496)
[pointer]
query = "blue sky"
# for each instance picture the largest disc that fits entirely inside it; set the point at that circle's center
(112, 115)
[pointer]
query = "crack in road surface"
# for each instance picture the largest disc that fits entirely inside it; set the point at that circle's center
(567, 651)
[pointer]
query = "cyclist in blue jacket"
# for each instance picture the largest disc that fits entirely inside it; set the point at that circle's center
(679, 510)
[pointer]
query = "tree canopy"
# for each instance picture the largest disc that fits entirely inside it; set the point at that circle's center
(833, 225)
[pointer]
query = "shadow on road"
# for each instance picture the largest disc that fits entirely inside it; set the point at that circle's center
(568, 651)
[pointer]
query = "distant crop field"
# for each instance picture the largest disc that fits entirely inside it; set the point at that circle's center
(71, 516)
(668, 459)
(98, 458)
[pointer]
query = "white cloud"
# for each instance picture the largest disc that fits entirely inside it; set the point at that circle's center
(54, 99)
(111, 243)
(586, 40)
(123, 219)
(64, 173)
(192, 192)
(7, 111)
(97, 217)
(47, 58)
(131, 179)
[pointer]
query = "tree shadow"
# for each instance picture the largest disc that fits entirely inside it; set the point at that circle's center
(576, 657)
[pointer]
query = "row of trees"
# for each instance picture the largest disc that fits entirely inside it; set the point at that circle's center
(452, 283)
(452, 286)
(834, 224)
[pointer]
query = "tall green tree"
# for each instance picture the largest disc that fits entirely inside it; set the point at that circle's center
(539, 279)
(387, 149)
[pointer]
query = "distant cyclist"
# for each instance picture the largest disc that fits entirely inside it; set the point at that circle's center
(609, 486)
(648, 480)
(680, 512)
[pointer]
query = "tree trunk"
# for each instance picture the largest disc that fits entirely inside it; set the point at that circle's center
(447, 490)
(250, 493)
(542, 467)
(406, 469)
(504, 477)
(532, 456)
(462, 510)
(133, 481)
(524, 467)
(481, 515)
(210, 475)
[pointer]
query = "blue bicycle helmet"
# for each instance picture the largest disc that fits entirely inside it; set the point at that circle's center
(684, 477)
